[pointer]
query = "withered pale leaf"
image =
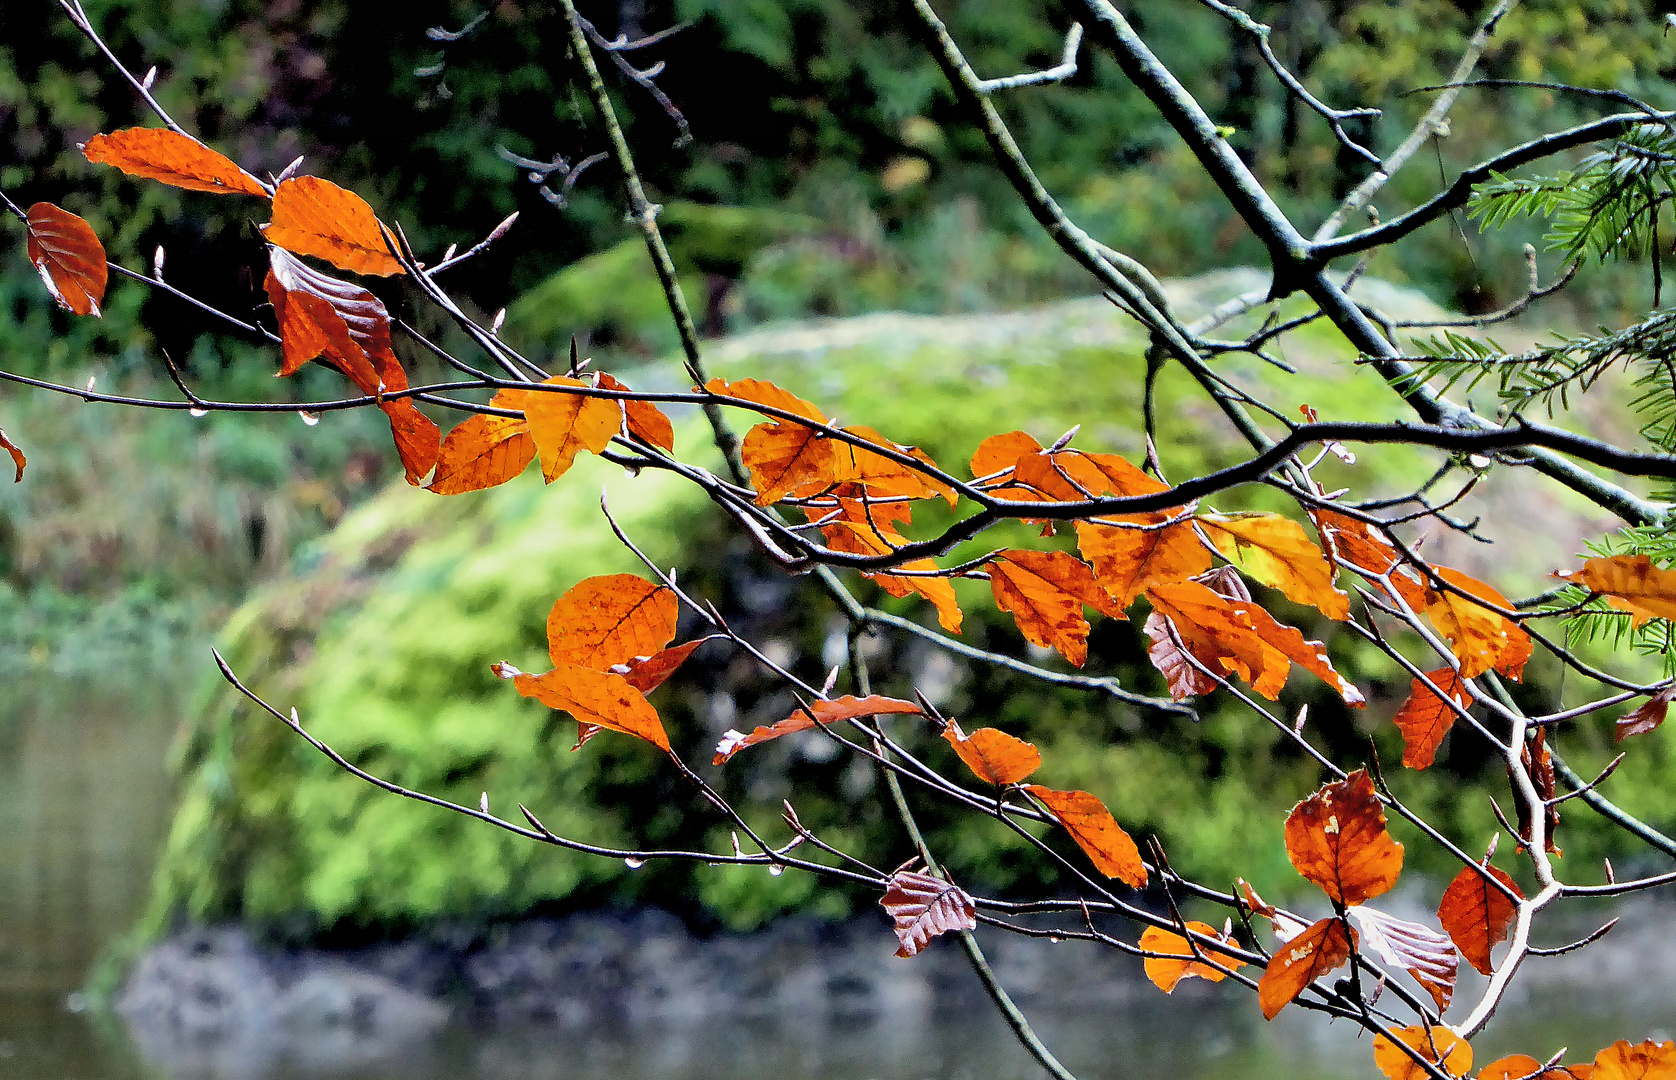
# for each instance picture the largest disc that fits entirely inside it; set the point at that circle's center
(1337, 839)
(1631, 583)
(1179, 961)
(824, 712)
(1425, 718)
(481, 452)
(1476, 914)
(18, 459)
(1647, 1060)
(645, 420)
(607, 620)
(924, 907)
(1046, 591)
(1427, 955)
(1315, 952)
(173, 158)
(565, 424)
(993, 755)
(312, 216)
(1438, 1045)
(600, 698)
(1277, 552)
(1094, 829)
(66, 252)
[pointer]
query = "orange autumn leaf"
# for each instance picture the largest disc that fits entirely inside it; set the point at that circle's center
(1072, 476)
(175, 159)
(1481, 638)
(1315, 952)
(847, 707)
(1517, 1067)
(864, 538)
(481, 452)
(924, 907)
(1369, 551)
(602, 699)
(418, 439)
(1277, 552)
(1648, 1060)
(1127, 561)
(647, 673)
(1437, 1044)
(1179, 961)
(1337, 839)
(883, 477)
(1425, 718)
(1630, 583)
(787, 458)
(312, 216)
(564, 424)
(611, 619)
(761, 392)
(645, 420)
(66, 252)
(18, 459)
(1046, 591)
(1094, 829)
(993, 755)
(1476, 914)
(999, 453)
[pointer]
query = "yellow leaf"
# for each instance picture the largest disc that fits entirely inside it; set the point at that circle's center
(1276, 551)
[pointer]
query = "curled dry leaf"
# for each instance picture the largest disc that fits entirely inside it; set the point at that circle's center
(1046, 591)
(18, 459)
(993, 755)
(1179, 961)
(924, 907)
(1317, 950)
(1276, 551)
(1647, 1060)
(175, 159)
(1638, 721)
(824, 712)
(1427, 955)
(481, 452)
(312, 216)
(645, 420)
(1538, 762)
(565, 424)
(1630, 583)
(1437, 1044)
(1337, 839)
(1094, 829)
(610, 619)
(600, 698)
(1476, 914)
(1425, 718)
(66, 252)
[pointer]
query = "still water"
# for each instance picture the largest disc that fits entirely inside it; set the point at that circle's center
(84, 798)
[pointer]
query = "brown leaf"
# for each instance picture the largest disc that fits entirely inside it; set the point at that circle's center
(1320, 949)
(1168, 655)
(1129, 560)
(787, 458)
(66, 252)
(325, 318)
(563, 424)
(1094, 829)
(1540, 767)
(824, 712)
(1438, 1045)
(600, 698)
(645, 420)
(647, 673)
(1646, 717)
(17, 456)
(1631, 583)
(864, 538)
(1641, 1061)
(610, 619)
(173, 158)
(1046, 591)
(1427, 955)
(1276, 551)
(1179, 960)
(993, 755)
(1425, 718)
(1477, 914)
(1000, 453)
(1481, 638)
(1337, 839)
(481, 452)
(925, 907)
(312, 216)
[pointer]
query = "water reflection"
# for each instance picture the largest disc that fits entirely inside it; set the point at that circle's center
(84, 796)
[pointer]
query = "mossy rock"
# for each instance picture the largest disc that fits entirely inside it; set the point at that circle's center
(383, 642)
